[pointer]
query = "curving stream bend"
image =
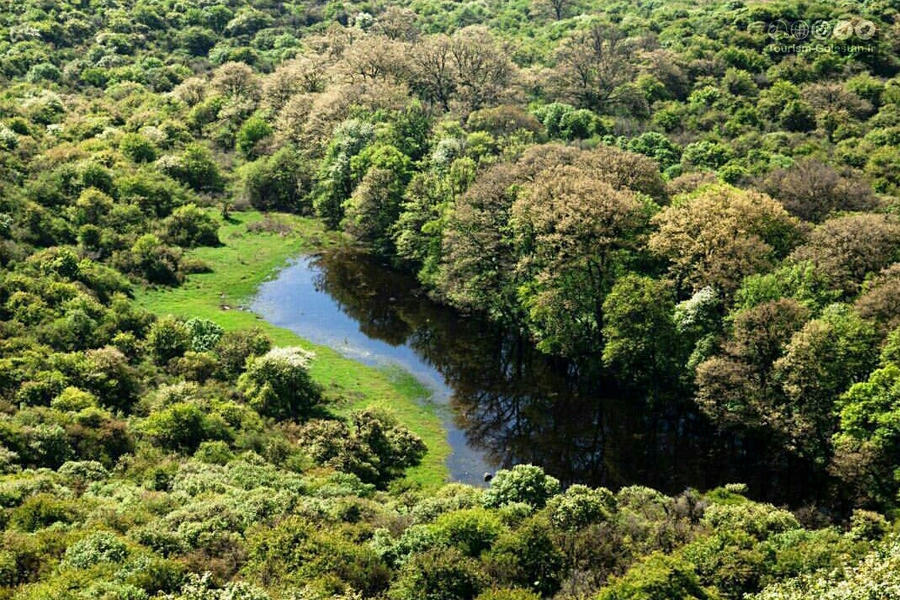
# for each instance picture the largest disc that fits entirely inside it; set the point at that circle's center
(504, 403)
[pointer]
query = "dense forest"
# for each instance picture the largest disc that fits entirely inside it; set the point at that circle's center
(692, 201)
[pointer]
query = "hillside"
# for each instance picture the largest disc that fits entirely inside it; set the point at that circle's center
(685, 203)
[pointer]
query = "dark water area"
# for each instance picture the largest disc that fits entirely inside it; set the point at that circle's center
(504, 403)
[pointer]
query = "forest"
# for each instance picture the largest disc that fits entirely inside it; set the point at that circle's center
(691, 202)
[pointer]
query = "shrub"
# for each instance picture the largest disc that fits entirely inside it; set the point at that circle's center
(235, 347)
(439, 574)
(472, 531)
(522, 483)
(580, 506)
(154, 261)
(189, 226)
(528, 558)
(205, 334)
(137, 148)
(195, 168)
(278, 384)
(41, 510)
(376, 448)
(214, 453)
(73, 399)
(502, 121)
(252, 132)
(100, 547)
(182, 427)
(658, 576)
(43, 72)
(168, 338)
(279, 182)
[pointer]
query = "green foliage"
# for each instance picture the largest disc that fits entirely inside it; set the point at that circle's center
(39, 511)
(656, 146)
(182, 427)
(190, 226)
(235, 347)
(251, 134)
(168, 338)
(205, 334)
(529, 558)
(581, 506)
(101, 547)
(658, 576)
(194, 167)
(295, 551)
(439, 575)
(278, 384)
(334, 179)
(153, 260)
(471, 531)
(138, 454)
(639, 332)
(875, 575)
(870, 426)
(567, 122)
(373, 446)
(522, 483)
(73, 399)
(137, 148)
(279, 182)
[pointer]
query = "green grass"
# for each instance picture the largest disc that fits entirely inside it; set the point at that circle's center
(239, 266)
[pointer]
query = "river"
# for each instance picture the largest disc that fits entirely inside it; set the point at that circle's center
(504, 403)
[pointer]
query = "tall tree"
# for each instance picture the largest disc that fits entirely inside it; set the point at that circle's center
(721, 234)
(593, 64)
(848, 248)
(640, 340)
(570, 230)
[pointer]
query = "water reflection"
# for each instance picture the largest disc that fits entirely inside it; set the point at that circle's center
(512, 404)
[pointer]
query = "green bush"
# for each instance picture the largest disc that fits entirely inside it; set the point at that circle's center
(278, 384)
(522, 483)
(658, 576)
(195, 167)
(235, 347)
(96, 548)
(439, 574)
(182, 427)
(137, 148)
(252, 132)
(472, 531)
(189, 226)
(168, 338)
(581, 506)
(41, 510)
(282, 181)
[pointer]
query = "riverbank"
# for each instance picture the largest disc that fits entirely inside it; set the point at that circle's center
(246, 258)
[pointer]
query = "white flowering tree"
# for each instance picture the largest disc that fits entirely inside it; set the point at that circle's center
(278, 384)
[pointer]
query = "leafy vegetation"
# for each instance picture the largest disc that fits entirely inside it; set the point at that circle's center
(676, 198)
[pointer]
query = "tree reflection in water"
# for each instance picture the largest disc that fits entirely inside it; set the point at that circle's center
(520, 406)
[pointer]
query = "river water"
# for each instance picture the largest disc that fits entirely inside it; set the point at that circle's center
(504, 403)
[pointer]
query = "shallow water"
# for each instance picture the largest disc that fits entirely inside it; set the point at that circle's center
(503, 403)
(296, 300)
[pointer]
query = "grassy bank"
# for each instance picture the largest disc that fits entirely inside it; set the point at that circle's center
(240, 265)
